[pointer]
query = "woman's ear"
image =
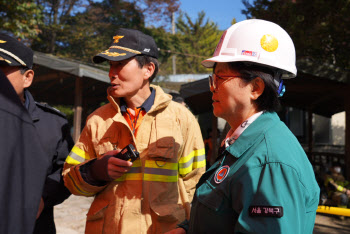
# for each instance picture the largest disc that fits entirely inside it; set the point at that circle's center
(258, 86)
(28, 78)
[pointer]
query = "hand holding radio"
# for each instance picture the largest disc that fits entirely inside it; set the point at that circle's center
(114, 164)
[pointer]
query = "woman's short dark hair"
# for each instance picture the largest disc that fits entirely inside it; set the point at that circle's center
(144, 59)
(268, 100)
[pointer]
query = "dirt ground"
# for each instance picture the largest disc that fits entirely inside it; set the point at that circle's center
(70, 218)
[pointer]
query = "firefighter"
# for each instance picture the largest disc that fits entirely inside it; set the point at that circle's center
(153, 193)
(262, 181)
(337, 187)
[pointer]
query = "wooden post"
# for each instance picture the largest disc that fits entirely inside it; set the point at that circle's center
(347, 132)
(78, 101)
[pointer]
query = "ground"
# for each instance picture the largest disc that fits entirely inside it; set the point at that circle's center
(70, 218)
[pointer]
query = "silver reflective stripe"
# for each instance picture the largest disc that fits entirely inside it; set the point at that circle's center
(135, 170)
(194, 159)
(157, 171)
(76, 157)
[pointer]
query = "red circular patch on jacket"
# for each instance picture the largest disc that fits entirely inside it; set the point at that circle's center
(221, 174)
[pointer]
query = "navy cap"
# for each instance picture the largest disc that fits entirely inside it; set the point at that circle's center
(128, 43)
(14, 53)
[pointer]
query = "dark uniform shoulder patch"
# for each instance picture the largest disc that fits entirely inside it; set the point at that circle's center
(46, 107)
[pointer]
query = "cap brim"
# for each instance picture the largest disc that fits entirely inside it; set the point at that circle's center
(112, 55)
(4, 58)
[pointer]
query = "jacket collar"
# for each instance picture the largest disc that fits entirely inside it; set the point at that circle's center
(31, 106)
(255, 132)
(145, 106)
(161, 100)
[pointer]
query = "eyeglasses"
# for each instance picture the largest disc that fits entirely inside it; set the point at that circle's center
(213, 80)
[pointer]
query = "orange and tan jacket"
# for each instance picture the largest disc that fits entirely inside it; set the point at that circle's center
(156, 193)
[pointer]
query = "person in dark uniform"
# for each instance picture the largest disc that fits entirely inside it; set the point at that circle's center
(23, 164)
(51, 125)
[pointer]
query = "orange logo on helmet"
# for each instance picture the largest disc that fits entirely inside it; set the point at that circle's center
(269, 43)
(116, 38)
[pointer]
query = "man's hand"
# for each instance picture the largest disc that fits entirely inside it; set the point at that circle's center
(116, 166)
(41, 207)
(108, 167)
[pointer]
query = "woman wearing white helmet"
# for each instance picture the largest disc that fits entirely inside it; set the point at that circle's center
(262, 181)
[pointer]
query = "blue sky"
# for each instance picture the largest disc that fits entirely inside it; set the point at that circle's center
(219, 11)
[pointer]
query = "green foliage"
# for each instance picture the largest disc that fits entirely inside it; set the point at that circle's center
(80, 34)
(91, 31)
(68, 111)
(319, 28)
(164, 41)
(195, 41)
(22, 18)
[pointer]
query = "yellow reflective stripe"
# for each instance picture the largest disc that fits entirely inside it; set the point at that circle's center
(78, 189)
(161, 164)
(199, 164)
(160, 178)
(130, 176)
(134, 173)
(80, 152)
(196, 159)
(184, 171)
(340, 188)
(77, 156)
(194, 153)
(72, 161)
(161, 171)
(154, 171)
(136, 163)
(148, 177)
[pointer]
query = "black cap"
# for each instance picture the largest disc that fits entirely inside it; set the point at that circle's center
(15, 53)
(128, 43)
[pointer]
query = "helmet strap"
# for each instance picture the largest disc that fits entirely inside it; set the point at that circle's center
(279, 83)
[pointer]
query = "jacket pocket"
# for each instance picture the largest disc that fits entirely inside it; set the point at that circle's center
(163, 146)
(169, 212)
(96, 215)
(95, 218)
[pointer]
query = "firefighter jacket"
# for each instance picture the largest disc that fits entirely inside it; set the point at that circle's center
(263, 183)
(156, 193)
(54, 134)
(335, 182)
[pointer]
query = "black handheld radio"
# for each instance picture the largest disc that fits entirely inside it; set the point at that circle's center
(129, 153)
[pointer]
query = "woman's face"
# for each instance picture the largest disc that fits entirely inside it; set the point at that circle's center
(232, 99)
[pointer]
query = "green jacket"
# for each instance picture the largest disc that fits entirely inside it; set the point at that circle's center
(265, 170)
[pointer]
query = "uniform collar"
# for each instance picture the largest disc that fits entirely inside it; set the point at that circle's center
(255, 132)
(161, 100)
(145, 106)
(232, 136)
(30, 105)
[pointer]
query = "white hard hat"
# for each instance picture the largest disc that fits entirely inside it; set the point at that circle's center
(256, 41)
